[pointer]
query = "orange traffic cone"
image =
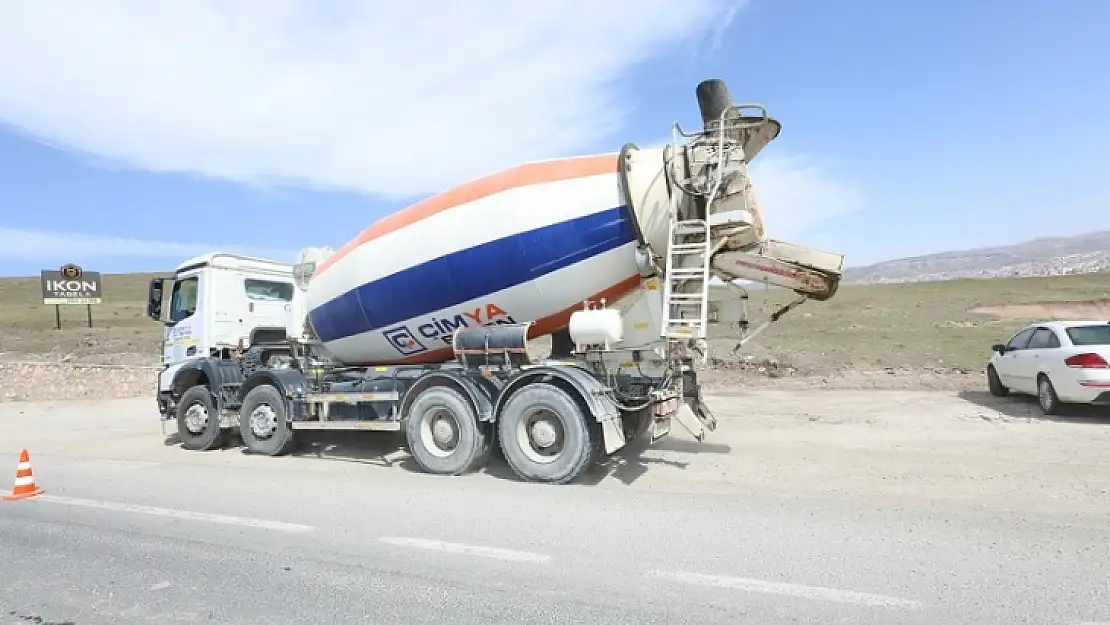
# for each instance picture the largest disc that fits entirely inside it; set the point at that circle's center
(24, 481)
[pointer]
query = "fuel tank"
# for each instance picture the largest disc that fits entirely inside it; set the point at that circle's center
(529, 243)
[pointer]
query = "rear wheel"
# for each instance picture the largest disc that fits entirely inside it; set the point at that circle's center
(1046, 396)
(198, 424)
(443, 432)
(263, 424)
(546, 436)
(994, 383)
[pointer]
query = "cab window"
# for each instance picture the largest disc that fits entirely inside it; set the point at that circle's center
(267, 291)
(183, 302)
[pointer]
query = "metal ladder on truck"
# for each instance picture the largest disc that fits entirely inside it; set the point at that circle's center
(686, 284)
(686, 287)
(686, 306)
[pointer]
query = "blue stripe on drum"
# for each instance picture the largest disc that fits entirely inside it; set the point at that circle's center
(471, 273)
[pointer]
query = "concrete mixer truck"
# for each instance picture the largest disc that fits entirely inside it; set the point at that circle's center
(422, 322)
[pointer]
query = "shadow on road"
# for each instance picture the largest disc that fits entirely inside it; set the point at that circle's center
(388, 449)
(1025, 407)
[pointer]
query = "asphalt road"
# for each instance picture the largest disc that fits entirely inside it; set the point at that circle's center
(170, 536)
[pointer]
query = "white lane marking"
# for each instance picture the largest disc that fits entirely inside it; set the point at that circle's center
(480, 551)
(108, 463)
(783, 588)
(185, 515)
(160, 586)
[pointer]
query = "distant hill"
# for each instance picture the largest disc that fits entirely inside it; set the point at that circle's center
(1050, 256)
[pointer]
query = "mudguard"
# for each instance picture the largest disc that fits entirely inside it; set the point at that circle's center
(592, 391)
(288, 382)
(213, 372)
(479, 393)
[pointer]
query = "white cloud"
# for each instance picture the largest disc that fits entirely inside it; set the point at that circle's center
(386, 97)
(30, 245)
(796, 192)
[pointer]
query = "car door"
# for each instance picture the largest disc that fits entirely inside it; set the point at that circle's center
(1032, 360)
(1007, 365)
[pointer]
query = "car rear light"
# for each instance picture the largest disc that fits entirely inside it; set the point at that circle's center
(1087, 361)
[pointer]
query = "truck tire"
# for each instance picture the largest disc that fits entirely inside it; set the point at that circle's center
(443, 432)
(545, 435)
(198, 423)
(262, 422)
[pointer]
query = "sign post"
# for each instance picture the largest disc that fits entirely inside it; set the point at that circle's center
(70, 286)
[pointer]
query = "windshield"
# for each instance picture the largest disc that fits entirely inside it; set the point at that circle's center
(184, 301)
(1090, 335)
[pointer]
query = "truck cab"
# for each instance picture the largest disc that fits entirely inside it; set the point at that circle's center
(214, 304)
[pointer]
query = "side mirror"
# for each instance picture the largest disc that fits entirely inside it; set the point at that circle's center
(155, 292)
(999, 347)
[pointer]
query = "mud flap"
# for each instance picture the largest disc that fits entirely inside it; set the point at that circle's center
(612, 432)
(660, 427)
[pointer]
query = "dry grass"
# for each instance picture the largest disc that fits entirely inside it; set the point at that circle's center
(916, 326)
(121, 331)
(927, 325)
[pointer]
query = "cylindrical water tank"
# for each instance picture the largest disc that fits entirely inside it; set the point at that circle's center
(596, 327)
(527, 244)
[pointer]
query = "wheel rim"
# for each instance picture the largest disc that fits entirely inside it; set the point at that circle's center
(196, 418)
(439, 432)
(1044, 394)
(263, 421)
(541, 435)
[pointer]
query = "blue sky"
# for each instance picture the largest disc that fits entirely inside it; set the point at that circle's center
(132, 140)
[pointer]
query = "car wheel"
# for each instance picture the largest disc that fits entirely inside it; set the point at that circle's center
(994, 383)
(1046, 396)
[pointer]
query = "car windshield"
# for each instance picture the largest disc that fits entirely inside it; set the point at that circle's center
(1090, 335)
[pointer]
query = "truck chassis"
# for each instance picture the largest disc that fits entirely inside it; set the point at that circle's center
(551, 419)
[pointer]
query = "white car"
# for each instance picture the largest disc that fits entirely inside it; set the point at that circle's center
(1060, 362)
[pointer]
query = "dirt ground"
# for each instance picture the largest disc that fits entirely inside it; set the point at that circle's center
(919, 448)
(959, 447)
(1081, 310)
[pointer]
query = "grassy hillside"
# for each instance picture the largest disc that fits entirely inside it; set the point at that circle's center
(921, 325)
(915, 325)
(120, 326)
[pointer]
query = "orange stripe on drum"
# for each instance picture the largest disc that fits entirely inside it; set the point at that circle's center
(521, 176)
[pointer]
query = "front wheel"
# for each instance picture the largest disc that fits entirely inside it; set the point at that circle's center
(994, 383)
(546, 436)
(263, 422)
(198, 424)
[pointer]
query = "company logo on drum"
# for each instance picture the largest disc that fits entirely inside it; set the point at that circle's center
(403, 341)
(441, 328)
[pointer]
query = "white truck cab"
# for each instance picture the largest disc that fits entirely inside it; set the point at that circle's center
(216, 302)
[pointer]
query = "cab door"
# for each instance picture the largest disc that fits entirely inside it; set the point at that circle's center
(186, 316)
